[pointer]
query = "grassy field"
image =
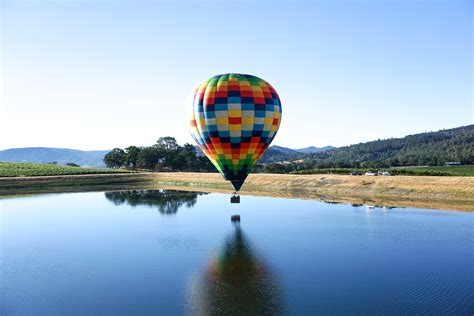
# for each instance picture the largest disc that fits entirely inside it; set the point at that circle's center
(463, 171)
(10, 186)
(455, 171)
(450, 193)
(21, 169)
(436, 192)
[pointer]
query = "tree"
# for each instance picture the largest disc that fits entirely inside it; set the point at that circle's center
(171, 150)
(72, 164)
(189, 158)
(149, 157)
(205, 165)
(131, 156)
(115, 158)
(274, 168)
(167, 143)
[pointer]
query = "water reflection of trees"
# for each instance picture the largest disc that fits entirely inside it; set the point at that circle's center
(166, 201)
(237, 282)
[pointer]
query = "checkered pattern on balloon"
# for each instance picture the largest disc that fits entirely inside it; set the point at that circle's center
(233, 119)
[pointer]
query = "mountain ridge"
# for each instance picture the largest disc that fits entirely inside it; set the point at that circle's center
(313, 149)
(422, 149)
(89, 158)
(94, 158)
(428, 148)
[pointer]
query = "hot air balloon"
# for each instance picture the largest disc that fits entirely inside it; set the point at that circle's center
(233, 119)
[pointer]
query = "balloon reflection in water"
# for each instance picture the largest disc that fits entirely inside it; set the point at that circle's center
(167, 201)
(236, 283)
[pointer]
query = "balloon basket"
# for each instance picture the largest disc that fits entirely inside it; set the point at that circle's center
(235, 198)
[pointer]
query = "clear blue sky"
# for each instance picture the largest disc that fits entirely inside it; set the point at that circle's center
(103, 74)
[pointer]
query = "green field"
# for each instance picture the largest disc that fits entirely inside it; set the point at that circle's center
(457, 171)
(460, 171)
(22, 169)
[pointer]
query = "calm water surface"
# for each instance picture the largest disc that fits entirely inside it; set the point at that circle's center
(173, 252)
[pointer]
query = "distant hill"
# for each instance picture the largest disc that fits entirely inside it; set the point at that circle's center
(92, 158)
(312, 149)
(284, 150)
(431, 148)
(279, 153)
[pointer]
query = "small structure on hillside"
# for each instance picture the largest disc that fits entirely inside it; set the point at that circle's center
(452, 163)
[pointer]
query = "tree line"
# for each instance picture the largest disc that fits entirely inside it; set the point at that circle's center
(425, 149)
(165, 155)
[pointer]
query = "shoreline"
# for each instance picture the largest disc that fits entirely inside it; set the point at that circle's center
(446, 193)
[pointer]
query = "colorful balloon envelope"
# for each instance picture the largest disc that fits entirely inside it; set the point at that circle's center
(234, 118)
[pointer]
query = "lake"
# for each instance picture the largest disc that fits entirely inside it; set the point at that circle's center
(167, 252)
